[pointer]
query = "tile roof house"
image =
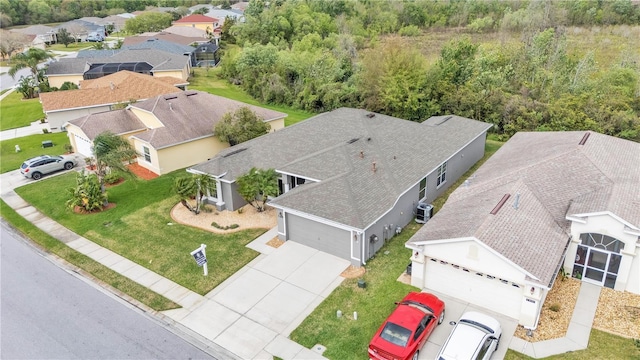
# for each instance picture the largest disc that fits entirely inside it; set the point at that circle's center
(103, 94)
(169, 132)
(545, 201)
(350, 179)
(95, 63)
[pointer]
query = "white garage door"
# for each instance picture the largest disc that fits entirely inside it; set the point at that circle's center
(83, 146)
(481, 290)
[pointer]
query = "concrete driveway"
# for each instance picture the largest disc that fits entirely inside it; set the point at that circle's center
(253, 312)
(454, 308)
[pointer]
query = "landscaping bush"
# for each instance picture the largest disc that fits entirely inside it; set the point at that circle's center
(112, 177)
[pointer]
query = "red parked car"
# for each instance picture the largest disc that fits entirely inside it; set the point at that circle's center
(408, 327)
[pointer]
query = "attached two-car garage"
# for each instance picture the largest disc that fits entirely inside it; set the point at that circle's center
(484, 290)
(317, 235)
(83, 145)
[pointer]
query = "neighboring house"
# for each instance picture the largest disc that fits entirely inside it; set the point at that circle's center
(240, 6)
(80, 29)
(93, 64)
(165, 36)
(103, 94)
(198, 21)
(187, 32)
(36, 42)
(222, 15)
(545, 201)
(45, 34)
(350, 179)
(169, 132)
(166, 46)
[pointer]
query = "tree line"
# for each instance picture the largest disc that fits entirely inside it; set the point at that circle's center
(320, 55)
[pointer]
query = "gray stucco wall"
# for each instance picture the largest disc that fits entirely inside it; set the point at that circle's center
(232, 200)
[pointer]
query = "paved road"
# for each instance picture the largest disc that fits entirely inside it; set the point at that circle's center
(6, 81)
(48, 313)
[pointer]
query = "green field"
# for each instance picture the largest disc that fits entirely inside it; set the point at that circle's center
(16, 112)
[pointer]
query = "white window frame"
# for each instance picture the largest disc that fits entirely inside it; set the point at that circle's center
(146, 153)
(442, 174)
(422, 193)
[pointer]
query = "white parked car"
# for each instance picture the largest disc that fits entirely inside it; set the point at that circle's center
(475, 337)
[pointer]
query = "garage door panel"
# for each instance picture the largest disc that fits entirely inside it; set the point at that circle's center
(83, 146)
(482, 291)
(319, 236)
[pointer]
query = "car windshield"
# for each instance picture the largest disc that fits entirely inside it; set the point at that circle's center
(477, 325)
(418, 305)
(395, 334)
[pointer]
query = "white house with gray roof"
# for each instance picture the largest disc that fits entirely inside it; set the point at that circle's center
(349, 179)
(545, 201)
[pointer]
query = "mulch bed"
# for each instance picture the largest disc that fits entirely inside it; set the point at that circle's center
(142, 173)
(80, 210)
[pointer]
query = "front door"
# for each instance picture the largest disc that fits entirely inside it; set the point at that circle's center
(596, 266)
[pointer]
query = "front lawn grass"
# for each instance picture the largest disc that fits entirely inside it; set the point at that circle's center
(348, 339)
(95, 269)
(209, 82)
(16, 112)
(602, 346)
(30, 146)
(140, 229)
(71, 47)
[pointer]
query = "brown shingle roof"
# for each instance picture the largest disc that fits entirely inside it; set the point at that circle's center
(117, 121)
(119, 87)
(191, 115)
(555, 178)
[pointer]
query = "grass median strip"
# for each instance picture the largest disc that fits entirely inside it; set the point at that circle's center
(97, 270)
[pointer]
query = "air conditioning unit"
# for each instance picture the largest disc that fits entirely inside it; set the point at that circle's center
(424, 212)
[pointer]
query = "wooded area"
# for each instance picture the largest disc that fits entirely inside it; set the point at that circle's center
(507, 63)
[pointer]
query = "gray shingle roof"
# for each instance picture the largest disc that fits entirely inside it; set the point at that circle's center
(160, 60)
(350, 192)
(162, 45)
(191, 115)
(555, 178)
(117, 121)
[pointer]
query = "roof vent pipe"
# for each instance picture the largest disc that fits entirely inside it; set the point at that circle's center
(517, 202)
(361, 154)
(170, 107)
(373, 167)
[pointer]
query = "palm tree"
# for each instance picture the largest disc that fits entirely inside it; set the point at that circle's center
(196, 185)
(111, 152)
(29, 59)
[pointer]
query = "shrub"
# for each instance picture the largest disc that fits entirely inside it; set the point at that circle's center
(112, 177)
(87, 194)
(218, 226)
(481, 25)
(410, 30)
(554, 307)
(68, 148)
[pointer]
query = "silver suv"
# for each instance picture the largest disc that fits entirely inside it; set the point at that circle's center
(35, 167)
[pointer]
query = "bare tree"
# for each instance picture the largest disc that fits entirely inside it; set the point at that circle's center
(77, 31)
(11, 42)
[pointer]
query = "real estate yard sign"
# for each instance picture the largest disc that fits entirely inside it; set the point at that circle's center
(200, 256)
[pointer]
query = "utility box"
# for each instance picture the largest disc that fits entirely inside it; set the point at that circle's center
(47, 143)
(424, 212)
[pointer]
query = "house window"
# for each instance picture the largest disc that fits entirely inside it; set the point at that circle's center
(147, 154)
(442, 174)
(423, 188)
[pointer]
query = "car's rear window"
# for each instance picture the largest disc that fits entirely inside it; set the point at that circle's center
(24, 166)
(395, 334)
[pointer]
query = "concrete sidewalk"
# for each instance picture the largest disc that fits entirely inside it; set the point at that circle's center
(35, 128)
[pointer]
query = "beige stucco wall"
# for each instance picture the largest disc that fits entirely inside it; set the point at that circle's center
(181, 74)
(57, 119)
(58, 80)
(276, 125)
(179, 156)
(201, 26)
(147, 118)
